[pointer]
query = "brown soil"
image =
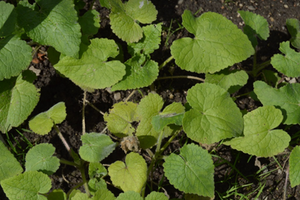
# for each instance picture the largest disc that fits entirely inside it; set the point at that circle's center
(55, 89)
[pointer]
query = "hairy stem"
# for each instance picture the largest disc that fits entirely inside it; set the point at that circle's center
(165, 62)
(188, 77)
(83, 111)
(62, 139)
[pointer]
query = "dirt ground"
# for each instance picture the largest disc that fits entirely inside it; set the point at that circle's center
(54, 89)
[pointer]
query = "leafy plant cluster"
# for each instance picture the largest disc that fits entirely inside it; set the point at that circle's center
(210, 116)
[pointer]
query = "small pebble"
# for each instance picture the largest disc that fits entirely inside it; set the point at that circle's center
(117, 96)
(180, 1)
(251, 8)
(286, 6)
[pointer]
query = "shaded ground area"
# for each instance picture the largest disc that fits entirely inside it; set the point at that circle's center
(236, 174)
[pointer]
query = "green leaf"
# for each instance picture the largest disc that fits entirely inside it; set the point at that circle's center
(29, 185)
(9, 166)
(156, 196)
(40, 158)
(140, 72)
(172, 114)
(18, 98)
(96, 147)
(57, 194)
(260, 138)
(80, 196)
(96, 184)
(213, 117)
(294, 162)
(90, 23)
(293, 26)
(255, 25)
(43, 122)
(148, 107)
(8, 19)
(104, 194)
(97, 170)
(227, 79)
(124, 18)
(120, 118)
(92, 70)
(129, 195)
(192, 171)
(131, 175)
(149, 42)
(54, 24)
(286, 98)
(288, 64)
(15, 56)
(218, 43)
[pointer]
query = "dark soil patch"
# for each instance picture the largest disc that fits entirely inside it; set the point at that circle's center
(249, 172)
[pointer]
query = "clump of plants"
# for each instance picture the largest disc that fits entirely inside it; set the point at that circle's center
(209, 116)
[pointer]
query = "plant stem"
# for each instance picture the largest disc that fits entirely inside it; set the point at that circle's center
(62, 139)
(165, 62)
(285, 182)
(90, 104)
(261, 67)
(131, 94)
(158, 153)
(188, 77)
(83, 111)
(66, 162)
(85, 185)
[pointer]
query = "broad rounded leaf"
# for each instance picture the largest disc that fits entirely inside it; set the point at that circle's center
(131, 175)
(95, 147)
(54, 24)
(104, 194)
(288, 64)
(15, 56)
(148, 107)
(18, 98)
(293, 26)
(124, 18)
(80, 196)
(227, 79)
(8, 19)
(286, 98)
(213, 117)
(120, 118)
(140, 72)
(90, 23)
(40, 158)
(92, 70)
(129, 195)
(218, 43)
(9, 166)
(260, 138)
(192, 171)
(156, 196)
(43, 122)
(255, 25)
(295, 166)
(29, 185)
(149, 42)
(57, 194)
(172, 114)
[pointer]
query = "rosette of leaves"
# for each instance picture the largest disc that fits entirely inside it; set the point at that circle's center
(125, 17)
(151, 122)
